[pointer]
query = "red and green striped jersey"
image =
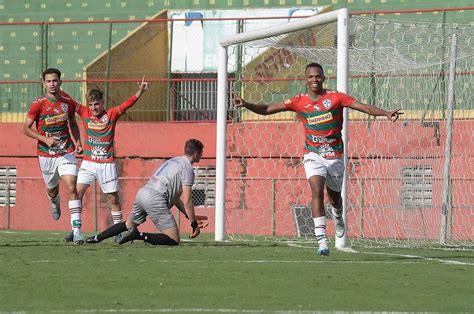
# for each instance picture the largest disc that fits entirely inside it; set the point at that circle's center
(100, 131)
(51, 117)
(322, 120)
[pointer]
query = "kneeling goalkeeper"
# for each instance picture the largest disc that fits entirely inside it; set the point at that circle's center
(170, 185)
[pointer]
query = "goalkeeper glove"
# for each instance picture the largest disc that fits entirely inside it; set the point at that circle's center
(194, 225)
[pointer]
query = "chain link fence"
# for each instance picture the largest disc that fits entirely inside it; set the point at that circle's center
(178, 56)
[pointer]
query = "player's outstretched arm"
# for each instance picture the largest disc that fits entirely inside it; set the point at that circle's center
(142, 87)
(376, 111)
(262, 109)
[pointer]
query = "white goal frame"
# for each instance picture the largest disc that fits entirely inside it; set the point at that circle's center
(342, 18)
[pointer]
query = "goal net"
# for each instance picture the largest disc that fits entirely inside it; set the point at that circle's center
(408, 184)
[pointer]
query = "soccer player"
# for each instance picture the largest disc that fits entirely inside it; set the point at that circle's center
(320, 111)
(54, 115)
(170, 185)
(99, 160)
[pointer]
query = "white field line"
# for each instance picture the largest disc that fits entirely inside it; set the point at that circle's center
(441, 260)
(322, 260)
(419, 257)
(202, 310)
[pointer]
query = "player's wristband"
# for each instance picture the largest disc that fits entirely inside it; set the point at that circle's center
(194, 225)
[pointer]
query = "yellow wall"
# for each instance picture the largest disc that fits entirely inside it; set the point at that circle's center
(144, 51)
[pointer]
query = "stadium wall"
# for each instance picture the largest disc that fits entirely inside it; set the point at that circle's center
(142, 147)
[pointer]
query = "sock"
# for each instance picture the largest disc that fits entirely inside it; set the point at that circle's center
(53, 200)
(112, 231)
(157, 238)
(75, 208)
(116, 216)
(336, 211)
(320, 231)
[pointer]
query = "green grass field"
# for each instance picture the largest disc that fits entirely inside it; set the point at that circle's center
(40, 273)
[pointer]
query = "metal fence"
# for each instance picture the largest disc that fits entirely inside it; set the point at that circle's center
(177, 56)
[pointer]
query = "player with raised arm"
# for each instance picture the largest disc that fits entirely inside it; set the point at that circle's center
(321, 112)
(170, 185)
(54, 116)
(99, 159)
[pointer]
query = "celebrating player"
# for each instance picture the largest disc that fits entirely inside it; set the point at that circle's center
(321, 110)
(54, 115)
(171, 184)
(99, 160)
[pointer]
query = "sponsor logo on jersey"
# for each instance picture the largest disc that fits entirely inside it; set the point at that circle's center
(57, 134)
(98, 153)
(320, 119)
(327, 103)
(328, 154)
(96, 139)
(56, 119)
(321, 139)
(326, 148)
(96, 125)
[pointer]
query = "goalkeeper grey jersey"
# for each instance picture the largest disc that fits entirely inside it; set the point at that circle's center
(170, 178)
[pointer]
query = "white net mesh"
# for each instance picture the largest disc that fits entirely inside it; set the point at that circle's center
(395, 170)
(377, 46)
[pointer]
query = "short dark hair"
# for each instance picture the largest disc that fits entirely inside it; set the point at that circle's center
(95, 94)
(51, 71)
(193, 146)
(314, 65)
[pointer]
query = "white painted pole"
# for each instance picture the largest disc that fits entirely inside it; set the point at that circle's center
(221, 131)
(445, 210)
(222, 90)
(342, 86)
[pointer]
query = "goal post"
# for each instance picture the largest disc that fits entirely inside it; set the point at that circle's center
(342, 18)
(406, 184)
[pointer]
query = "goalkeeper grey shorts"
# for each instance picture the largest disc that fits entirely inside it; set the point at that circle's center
(153, 204)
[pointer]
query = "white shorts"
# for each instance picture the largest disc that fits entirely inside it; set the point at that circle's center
(53, 168)
(331, 169)
(104, 172)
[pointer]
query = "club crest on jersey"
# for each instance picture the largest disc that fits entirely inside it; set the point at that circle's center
(104, 118)
(327, 103)
(64, 107)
